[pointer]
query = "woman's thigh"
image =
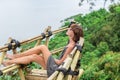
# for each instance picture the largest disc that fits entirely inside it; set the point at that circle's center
(46, 53)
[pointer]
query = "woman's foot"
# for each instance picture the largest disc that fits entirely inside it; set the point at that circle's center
(9, 56)
(6, 63)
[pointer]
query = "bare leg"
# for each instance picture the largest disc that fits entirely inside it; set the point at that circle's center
(35, 50)
(43, 49)
(26, 60)
(31, 51)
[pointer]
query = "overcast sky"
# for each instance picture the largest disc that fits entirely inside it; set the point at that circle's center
(23, 19)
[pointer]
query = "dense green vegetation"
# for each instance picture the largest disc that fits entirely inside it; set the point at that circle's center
(101, 52)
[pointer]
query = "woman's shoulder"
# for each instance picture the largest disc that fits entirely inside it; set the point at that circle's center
(70, 46)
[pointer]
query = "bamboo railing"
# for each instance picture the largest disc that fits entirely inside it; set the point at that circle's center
(70, 61)
(39, 38)
(3, 49)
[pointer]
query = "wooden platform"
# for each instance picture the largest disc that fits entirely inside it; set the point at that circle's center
(37, 74)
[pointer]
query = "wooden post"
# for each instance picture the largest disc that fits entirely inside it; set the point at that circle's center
(21, 74)
(4, 53)
(9, 68)
(2, 57)
(47, 37)
(38, 42)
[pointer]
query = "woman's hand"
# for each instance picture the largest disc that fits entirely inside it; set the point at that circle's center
(57, 61)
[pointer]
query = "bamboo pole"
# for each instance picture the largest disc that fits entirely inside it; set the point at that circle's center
(10, 69)
(57, 50)
(66, 66)
(2, 56)
(4, 48)
(74, 63)
(20, 72)
(47, 37)
(4, 53)
(81, 72)
(13, 67)
(38, 42)
(7, 67)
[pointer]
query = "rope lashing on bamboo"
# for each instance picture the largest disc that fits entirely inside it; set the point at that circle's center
(17, 44)
(78, 64)
(1, 73)
(43, 35)
(9, 46)
(50, 33)
(68, 72)
(79, 47)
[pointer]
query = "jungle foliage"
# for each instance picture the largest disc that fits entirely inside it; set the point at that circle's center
(101, 52)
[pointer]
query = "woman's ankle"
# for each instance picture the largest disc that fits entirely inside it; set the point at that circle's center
(10, 56)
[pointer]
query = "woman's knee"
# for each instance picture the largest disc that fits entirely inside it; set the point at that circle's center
(32, 57)
(42, 47)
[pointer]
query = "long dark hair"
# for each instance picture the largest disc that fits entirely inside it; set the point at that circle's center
(78, 31)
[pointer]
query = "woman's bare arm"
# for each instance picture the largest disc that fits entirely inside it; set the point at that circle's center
(68, 51)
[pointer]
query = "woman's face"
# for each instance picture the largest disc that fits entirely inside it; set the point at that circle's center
(70, 32)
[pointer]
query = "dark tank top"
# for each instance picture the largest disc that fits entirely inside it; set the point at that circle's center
(62, 53)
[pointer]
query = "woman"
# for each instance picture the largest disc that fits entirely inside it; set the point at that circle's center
(74, 32)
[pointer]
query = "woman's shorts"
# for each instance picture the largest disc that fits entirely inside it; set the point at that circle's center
(51, 66)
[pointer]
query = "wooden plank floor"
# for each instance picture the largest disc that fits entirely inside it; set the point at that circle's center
(37, 74)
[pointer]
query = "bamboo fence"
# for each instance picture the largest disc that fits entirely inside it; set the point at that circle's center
(4, 49)
(70, 61)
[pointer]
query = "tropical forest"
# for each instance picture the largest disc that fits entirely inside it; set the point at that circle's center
(101, 51)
